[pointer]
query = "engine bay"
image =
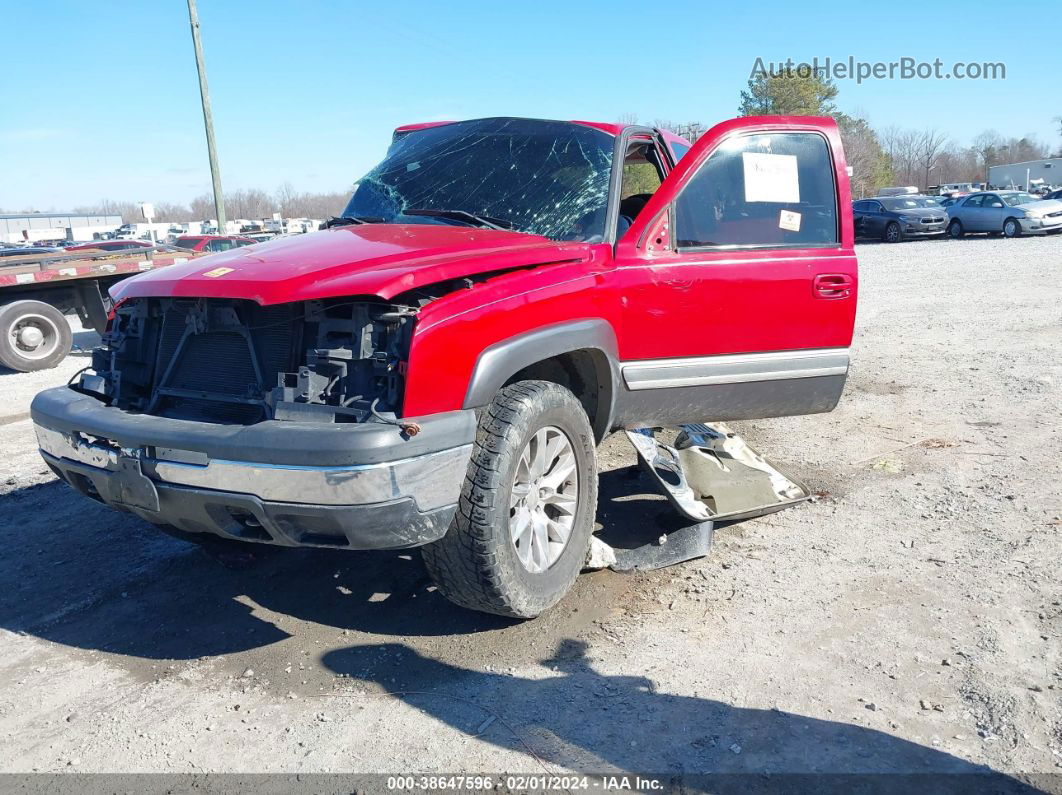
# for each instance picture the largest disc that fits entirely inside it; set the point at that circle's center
(235, 362)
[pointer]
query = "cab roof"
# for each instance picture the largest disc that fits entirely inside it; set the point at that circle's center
(612, 128)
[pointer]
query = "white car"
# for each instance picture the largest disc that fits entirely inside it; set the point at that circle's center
(1008, 212)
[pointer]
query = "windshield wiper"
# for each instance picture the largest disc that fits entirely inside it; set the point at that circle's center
(347, 220)
(461, 215)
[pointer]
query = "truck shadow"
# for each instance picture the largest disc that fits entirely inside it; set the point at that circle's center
(581, 719)
(80, 574)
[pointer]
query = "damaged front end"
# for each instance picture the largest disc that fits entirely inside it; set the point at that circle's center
(234, 362)
(277, 424)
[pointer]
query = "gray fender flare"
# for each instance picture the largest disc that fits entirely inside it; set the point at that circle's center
(502, 360)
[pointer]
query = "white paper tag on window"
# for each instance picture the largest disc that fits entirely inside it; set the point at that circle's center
(789, 220)
(771, 178)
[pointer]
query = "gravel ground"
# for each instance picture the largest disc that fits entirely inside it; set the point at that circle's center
(907, 620)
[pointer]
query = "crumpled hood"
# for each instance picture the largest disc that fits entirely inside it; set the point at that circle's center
(369, 259)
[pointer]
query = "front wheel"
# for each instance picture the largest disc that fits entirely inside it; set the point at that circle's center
(523, 525)
(33, 336)
(1011, 228)
(893, 234)
(955, 230)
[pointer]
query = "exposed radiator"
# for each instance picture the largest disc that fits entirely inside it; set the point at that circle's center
(218, 365)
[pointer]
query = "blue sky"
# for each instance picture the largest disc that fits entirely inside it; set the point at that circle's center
(101, 100)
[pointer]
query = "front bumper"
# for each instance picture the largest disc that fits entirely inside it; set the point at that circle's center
(355, 486)
(924, 230)
(1040, 226)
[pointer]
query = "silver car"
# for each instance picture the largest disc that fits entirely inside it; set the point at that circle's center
(1008, 212)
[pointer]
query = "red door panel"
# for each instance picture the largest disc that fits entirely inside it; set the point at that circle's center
(685, 301)
(739, 303)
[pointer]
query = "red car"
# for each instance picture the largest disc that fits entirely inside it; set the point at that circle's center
(110, 245)
(212, 242)
(435, 369)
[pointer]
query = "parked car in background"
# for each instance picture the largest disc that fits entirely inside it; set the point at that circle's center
(1054, 195)
(909, 190)
(212, 242)
(110, 245)
(959, 188)
(947, 201)
(260, 237)
(25, 251)
(894, 218)
(1011, 213)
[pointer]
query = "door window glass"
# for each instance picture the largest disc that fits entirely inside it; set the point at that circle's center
(678, 150)
(768, 189)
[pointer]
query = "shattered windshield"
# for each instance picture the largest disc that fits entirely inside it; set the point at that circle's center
(547, 178)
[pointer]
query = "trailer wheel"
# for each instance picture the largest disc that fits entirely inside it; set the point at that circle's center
(33, 336)
(522, 529)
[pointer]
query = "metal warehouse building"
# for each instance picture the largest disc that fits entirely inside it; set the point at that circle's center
(31, 227)
(1035, 172)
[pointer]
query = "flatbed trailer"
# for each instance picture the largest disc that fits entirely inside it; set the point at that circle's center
(37, 290)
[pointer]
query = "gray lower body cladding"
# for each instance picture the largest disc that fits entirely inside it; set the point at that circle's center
(363, 486)
(730, 387)
(722, 402)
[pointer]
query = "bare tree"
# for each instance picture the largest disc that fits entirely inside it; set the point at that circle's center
(986, 146)
(958, 164)
(202, 207)
(901, 147)
(930, 143)
(174, 213)
(870, 165)
(130, 211)
(690, 130)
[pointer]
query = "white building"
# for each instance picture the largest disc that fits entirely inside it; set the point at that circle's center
(1021, 175)
(69, 227)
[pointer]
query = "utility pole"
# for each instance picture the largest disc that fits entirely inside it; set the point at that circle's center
(208, 119)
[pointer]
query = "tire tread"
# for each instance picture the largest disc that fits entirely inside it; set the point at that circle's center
(464, 564)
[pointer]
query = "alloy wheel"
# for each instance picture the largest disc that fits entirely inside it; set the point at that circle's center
(544, 498)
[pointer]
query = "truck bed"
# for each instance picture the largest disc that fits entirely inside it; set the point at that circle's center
(38, 268)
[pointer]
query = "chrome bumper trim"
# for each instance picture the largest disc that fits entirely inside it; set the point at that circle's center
(432, 480)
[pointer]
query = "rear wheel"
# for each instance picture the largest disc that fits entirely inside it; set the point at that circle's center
(1011, 228)
(893, 234)
(523, 525)
(955, 229)
(33, 336)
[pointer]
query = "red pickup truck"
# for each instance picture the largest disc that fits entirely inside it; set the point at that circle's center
(436, 368)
